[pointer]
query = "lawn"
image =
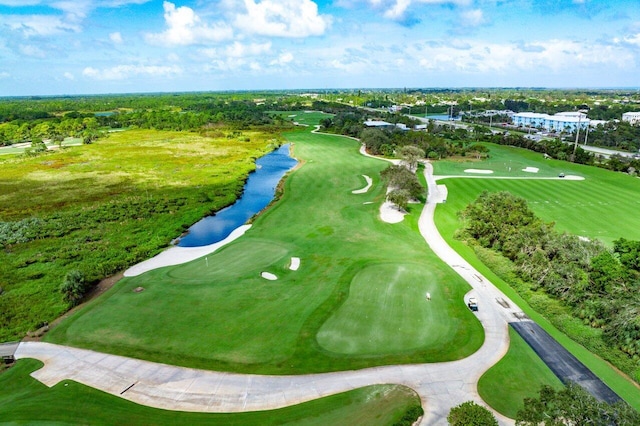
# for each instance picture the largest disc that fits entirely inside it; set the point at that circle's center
(225, 316)
(24, 400)
(517, 376)
(102, 207)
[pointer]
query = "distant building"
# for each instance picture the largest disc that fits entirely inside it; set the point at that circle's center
(379, 124)
(560, 122)
(631, 117)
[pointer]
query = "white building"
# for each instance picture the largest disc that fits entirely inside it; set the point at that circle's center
(631, 117)
(560, 122)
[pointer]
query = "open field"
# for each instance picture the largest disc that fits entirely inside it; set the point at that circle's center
(227, 317)
(518, 375)
(611, 195)
(25, 400)
(102, 207)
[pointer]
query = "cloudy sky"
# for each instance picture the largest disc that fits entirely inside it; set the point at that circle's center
(112, 46)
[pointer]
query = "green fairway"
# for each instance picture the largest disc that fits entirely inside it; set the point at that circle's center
(518, 375)
(303, 118)
(24, 400)
(577, 207)
(227, 317)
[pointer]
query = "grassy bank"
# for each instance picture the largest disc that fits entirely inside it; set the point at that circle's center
(518, 375)
(24, 400)
(102, 207)
(220, 313)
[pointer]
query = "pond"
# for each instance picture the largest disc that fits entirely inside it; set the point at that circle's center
(259, 190)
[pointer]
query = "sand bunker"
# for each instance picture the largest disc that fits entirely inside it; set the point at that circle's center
(389, 213)
(479, 171)
(366, 188)
(295, 263)
(530, 169)
(268, 276)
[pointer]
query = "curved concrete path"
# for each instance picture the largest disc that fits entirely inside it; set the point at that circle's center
(441, 386)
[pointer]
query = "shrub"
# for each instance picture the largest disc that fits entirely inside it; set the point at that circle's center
(74, 286)
(471, 414)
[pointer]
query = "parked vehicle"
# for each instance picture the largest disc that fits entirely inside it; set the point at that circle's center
(473, 304)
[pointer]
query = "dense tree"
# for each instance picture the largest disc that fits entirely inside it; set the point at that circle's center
(399, 197)
(599, 286)
(471, 414)
(410, 155)
(573, 405)
(399, 177)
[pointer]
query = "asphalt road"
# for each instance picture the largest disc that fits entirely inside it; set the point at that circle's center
(562, 362)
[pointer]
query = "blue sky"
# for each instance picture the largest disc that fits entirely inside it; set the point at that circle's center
(50, 47)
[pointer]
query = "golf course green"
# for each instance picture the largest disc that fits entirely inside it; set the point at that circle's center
(357, 300)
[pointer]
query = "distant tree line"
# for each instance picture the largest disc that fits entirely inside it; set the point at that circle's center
(26, 123)
(598, 285)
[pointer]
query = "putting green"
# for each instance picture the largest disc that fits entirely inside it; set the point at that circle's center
(215, 270)
(387, 311)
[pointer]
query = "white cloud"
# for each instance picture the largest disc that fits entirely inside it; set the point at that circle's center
(69, 76)
(38, 25)
(472, 18)
(397, 9)
(122, 72)
(282, 59)
(185, 28)
(555, 55)
(116, 38)
(239, 50)
(282, 18)
(630, 40)
(33, 51)
(4, 74)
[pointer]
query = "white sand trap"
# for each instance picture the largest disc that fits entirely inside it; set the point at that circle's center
(531, 169)
(366, 188)
(295, 263)
(291, 116)
(389, 213)
(177, 255)
(479, 171)
(572, 177)
(368, 202)
(268, 276)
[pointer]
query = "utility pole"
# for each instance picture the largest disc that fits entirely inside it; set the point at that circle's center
(575, 146)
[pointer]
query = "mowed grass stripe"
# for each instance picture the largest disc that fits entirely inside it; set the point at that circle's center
(229, 318)
(586, 208)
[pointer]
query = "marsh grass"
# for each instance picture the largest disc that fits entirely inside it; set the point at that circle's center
(102, 207)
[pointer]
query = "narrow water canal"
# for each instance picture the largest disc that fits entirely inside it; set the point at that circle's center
(259, 190)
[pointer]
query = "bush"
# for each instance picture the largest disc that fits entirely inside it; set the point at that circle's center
(74, 286)
(471, 414)
(411, 416)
